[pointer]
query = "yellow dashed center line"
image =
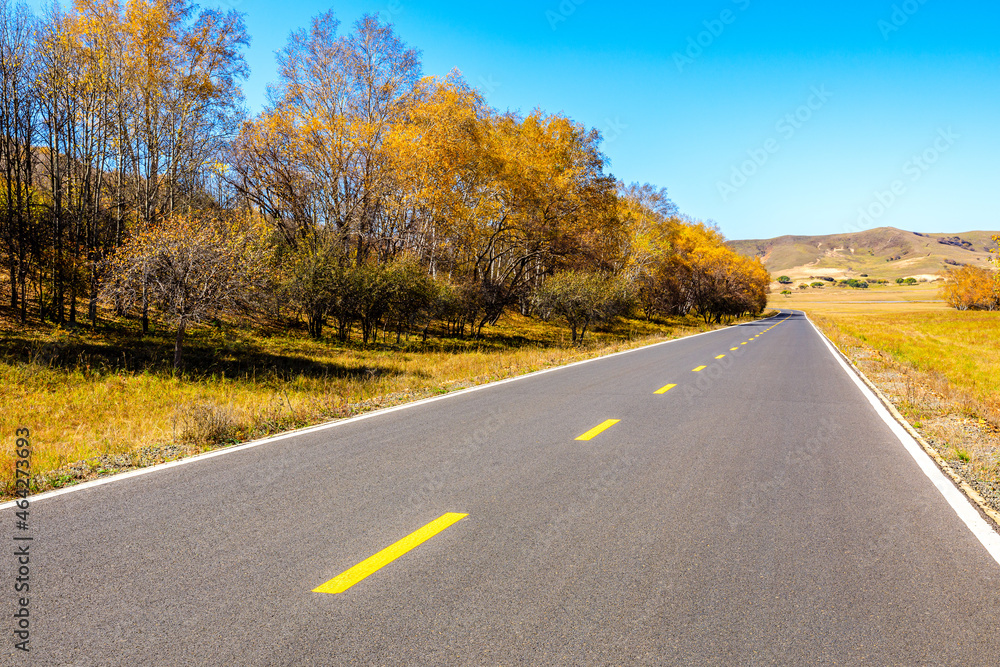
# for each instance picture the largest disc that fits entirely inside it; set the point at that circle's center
(345, 580)
(597, 430)
(369, 566)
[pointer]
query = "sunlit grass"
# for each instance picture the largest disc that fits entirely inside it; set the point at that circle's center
(964, 347)
(880, 298)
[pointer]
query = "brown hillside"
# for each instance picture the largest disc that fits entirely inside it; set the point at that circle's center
(886, 253)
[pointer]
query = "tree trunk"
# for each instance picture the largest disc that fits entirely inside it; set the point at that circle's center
(24, 298)
(40, 283)
(315, 326)
(92, 305)
(13, 282)
(178, 347)
(72, 304)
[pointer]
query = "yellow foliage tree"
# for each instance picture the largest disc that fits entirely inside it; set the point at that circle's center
(972, 288)
(697, 272)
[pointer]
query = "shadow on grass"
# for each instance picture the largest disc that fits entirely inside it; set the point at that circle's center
(279, 351)
(208, 353)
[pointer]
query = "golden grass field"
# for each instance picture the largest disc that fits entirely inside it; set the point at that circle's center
(878, 298)
(106, 401)
(940, 366)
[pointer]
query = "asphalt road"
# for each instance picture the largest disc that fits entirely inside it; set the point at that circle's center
(760, 512)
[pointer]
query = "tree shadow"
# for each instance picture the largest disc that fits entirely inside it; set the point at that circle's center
(125, 352)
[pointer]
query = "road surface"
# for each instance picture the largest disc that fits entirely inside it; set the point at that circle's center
(758, 512)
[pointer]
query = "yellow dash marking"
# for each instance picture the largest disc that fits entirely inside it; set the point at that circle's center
(700, 368)
(720, 356)
(665, 389)
(733, 349)
(346, 579)
(742, 343)
(597, 430)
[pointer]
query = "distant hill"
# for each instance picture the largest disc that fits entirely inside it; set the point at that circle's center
(886, 252)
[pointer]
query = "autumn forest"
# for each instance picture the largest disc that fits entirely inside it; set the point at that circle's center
(365, 199)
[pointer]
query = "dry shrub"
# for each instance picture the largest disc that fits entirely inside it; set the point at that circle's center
(968, 440)
(205, 423)
(972, 288)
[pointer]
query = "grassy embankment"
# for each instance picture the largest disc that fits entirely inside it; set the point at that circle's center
(104, 401)
(939, 366)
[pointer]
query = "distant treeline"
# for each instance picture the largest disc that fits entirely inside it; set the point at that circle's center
(365, 196)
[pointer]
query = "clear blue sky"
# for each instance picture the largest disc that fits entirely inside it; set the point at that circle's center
(895, 80)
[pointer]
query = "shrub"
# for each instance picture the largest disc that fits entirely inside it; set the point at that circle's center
(194, 267)
(972, 288)
(582, 299)
(205, 423)
(309, 277)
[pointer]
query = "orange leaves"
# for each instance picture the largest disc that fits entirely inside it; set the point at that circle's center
(356, 146)
(682, 265)
(972, 288)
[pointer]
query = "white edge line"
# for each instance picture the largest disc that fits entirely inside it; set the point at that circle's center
(959, 502)
(341, 422)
